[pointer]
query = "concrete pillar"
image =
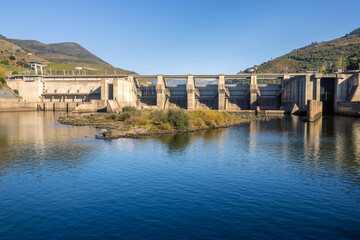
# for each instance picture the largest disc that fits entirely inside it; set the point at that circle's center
(253, 91)
(285, 92)
(36, 72)
(317, 89)
(221, 92)
(124, 91)
(355, 97)
(314, 110)
(116, 89)
(41, 70)
(339, 95)
(104, 89)
(190, 92)
(160, 92)
(309, 89)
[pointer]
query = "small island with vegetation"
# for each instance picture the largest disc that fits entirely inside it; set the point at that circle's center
(133, 123)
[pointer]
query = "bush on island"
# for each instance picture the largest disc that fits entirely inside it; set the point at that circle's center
(178, 118)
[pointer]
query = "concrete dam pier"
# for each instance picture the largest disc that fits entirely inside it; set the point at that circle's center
(313, 93)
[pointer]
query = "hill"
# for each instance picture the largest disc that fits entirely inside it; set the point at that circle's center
(60, 57)
(342, 53)
(58, 52)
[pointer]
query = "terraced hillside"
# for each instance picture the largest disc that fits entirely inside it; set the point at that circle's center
(325, 57)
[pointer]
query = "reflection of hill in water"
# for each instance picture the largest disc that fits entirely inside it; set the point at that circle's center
(331, 144)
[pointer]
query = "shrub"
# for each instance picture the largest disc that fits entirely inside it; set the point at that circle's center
(130, 121)
(209, 118)
(12, 58)
(178, 118)
(5, 62)
(23, 63)
(2, 75)
(16, 91)
(1, 85)
(141, 121)
(198, 123)
(164, 126)
(127, 113)
(15, 72)
(112, 116)
(159, 117)
(129, 109)
(124, 116)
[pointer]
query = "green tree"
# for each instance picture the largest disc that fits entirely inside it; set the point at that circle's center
(323, 69)
(353, 61)
(2, 75)
(23, 63)
(12, 58)
(178, 118)
(341, 64)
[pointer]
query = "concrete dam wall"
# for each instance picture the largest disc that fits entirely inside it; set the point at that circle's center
(339, 93)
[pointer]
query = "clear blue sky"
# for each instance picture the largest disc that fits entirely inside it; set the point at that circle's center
(181, 37)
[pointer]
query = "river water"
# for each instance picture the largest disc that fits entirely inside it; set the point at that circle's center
(281, 179)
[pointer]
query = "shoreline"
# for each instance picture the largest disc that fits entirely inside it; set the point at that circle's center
(115, 130)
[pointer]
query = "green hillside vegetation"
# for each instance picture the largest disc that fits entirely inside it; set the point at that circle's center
(60, 57)
(326, 57)
(2, 77)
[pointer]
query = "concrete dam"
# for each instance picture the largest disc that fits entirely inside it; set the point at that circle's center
(303, 92)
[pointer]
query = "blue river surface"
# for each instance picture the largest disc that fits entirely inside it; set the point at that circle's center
(277, 179)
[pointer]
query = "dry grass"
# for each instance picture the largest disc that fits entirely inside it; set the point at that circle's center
(172, 119)
(209, 118)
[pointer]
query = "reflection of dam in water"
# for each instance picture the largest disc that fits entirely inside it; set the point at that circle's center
(338, 93)
(33, 139)
(36, 132)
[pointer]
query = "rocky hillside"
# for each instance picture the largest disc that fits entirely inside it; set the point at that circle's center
(325, 57)
(60, 57)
